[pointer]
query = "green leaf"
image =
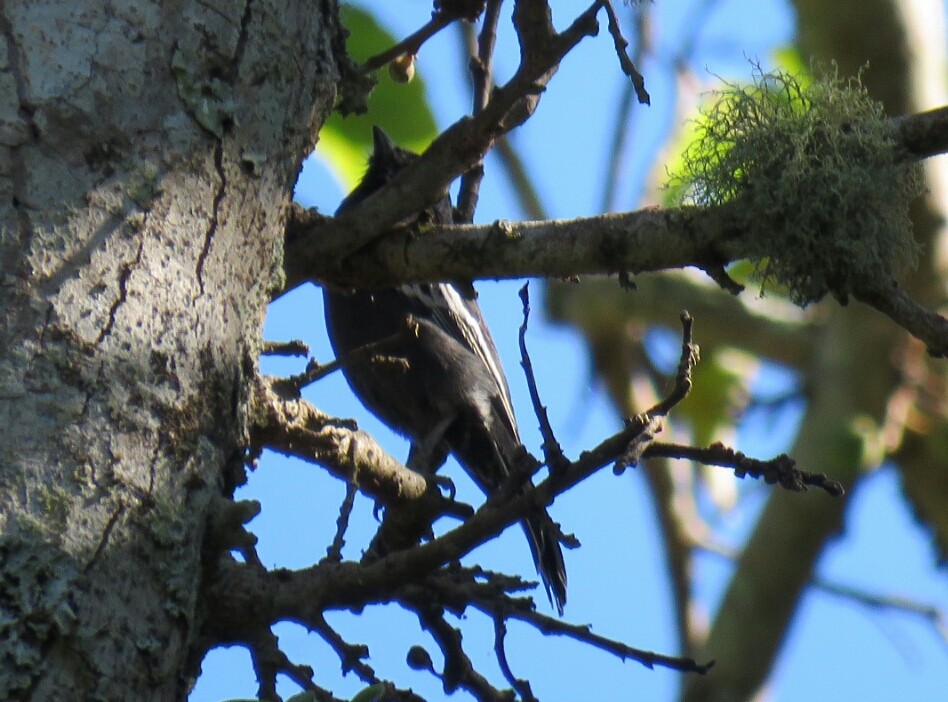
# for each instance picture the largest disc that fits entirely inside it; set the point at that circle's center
(719, 394)
(401, 109)
(372, 693)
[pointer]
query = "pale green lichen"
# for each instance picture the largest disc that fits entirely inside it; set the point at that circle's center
(815, 179)
(210, 99)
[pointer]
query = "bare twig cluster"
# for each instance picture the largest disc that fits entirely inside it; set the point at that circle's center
(245, 599)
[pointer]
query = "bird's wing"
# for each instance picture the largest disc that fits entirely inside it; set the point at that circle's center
(460, 317)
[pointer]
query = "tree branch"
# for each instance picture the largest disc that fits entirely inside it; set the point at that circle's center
(554, 627)
(628, 67)
(893, 301)
(410, 44)
(296, 428)
(780, 470)
(408, 576)
(635, 242)
(924, 134)
(481, 68)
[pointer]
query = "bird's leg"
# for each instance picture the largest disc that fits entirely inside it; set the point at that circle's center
(429, 454)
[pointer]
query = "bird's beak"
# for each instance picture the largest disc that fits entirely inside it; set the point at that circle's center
(381, 143)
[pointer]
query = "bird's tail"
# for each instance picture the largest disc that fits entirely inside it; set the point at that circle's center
(490, 451)
(543, 537)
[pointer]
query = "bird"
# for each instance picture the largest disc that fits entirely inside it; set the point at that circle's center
(448, 393)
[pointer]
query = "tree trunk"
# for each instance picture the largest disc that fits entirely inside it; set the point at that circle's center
(148, 153)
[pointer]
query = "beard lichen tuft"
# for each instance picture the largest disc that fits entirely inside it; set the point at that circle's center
(820, 187)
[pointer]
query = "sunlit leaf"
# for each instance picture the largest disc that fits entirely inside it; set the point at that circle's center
(372, 693)
(719, 394)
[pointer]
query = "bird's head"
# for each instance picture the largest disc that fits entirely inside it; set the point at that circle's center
(387, 159)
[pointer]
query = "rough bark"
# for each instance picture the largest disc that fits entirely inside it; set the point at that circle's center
(148, 153)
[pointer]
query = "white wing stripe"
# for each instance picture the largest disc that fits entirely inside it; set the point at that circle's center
(460, 317)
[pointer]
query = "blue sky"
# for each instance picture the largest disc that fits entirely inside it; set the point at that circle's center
(835, 650)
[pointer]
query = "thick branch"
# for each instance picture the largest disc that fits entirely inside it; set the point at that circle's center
(924, 134)
(296, 428)
(633, 242)
(925, 325)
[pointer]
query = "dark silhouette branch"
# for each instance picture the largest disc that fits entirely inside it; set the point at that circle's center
(481, 68)
(500, 653)
(334, 552)
(555, 627)
(780, 470)
(245, 600)
(686, 363)
(410, 45)
(552, 452)
(351, 656)
(628, 67)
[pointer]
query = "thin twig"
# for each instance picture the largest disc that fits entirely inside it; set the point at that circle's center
(638, 82)
(550, 626)
(552, 451)
(781, 470)
(689, 358)
(481, 71)
(459, 671)
(930, 613)
(292, 386)
(296, 347)
(334, 552)
(623, 114)
(411, 44)
(500, 634)
(351, 656)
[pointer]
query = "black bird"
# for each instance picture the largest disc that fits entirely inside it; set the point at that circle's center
(450, 393)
